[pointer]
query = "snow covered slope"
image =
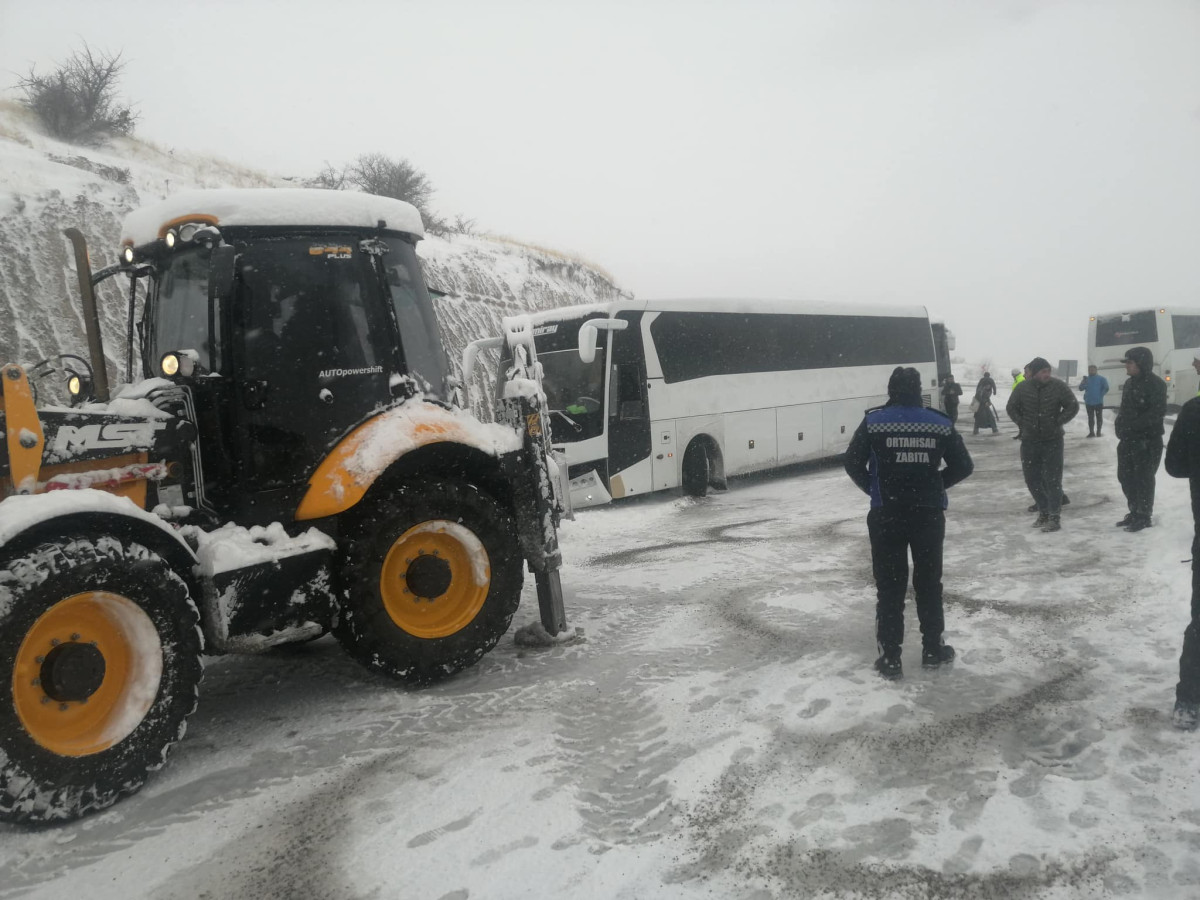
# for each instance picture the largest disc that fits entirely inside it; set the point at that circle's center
(47, 186)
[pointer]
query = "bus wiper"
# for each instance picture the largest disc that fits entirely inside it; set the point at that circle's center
(570, 421)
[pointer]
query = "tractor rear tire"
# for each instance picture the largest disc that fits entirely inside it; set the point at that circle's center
(432, 574)
(101, 644)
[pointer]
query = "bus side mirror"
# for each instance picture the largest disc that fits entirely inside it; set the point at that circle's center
(221, 272)
(588, 332)
(587, 344)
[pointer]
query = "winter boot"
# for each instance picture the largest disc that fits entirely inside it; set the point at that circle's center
(889, 667)
(1042, 520)
(931, 658)
(1052, 524)
(1128, 520)
(1186, 715)
(1137, 523)
(1031, 508)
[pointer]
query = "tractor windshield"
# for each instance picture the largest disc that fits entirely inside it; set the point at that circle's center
(419, 337)
(180, 318)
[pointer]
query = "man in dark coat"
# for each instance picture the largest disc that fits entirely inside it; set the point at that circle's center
(1139, 428)
(1183, 461)
(951, 391)
(896, 458)
(1040, 406)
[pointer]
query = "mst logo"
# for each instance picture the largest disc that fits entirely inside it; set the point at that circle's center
(106, 436)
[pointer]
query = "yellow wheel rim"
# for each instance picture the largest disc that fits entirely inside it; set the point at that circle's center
(87, 673)
(435, 579)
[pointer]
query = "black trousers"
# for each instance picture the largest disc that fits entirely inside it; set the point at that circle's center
(1188, 689)
(1095, 419)
(1042, 463)
(952, 410)
(894, 531)
(1137, 465)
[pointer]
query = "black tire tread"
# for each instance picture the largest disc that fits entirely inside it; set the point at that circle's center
(363, 626)
(31, 789)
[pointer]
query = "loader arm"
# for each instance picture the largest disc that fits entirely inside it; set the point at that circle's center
(22, 430)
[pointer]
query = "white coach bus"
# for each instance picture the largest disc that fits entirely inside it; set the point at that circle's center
(1172, 334)
(648, 396)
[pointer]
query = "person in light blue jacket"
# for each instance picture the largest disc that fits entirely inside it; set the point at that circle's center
(1094, 388)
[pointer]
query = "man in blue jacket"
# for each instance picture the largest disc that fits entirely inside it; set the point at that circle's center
(896, 457)
(1094, 387)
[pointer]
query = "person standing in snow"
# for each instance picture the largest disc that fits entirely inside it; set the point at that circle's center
(1183, 461)
(1041, 406)
(1018, 378)
(951, 391)
(1094, 387)
(1139, 428)
(896, 457)
(984, 409)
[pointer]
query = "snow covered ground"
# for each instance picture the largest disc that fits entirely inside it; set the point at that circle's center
(720, 733)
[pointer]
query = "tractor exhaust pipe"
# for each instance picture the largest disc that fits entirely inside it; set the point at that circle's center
(91, 316)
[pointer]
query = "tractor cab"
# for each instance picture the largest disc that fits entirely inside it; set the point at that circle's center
(284, 336)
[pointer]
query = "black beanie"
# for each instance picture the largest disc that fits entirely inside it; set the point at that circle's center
(1037, 364)
(905, 384)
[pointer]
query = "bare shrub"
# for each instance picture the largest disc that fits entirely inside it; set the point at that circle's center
(77, 102)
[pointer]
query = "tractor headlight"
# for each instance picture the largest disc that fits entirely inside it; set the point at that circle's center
(75, 385)
(127, 256)
(169, 240)
(177, 362)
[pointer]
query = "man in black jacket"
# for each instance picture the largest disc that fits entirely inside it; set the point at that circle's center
(1139, 428)
(896, 457)
(1041, 405)
(1183, 461)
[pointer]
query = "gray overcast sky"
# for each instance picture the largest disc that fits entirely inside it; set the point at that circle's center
(1013, 165)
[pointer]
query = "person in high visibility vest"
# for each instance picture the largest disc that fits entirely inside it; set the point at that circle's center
(1018, 377)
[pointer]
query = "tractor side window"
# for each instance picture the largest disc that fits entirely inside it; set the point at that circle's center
(181, 320)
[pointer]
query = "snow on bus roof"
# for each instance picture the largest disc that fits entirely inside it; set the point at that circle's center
(273, 206)
(730, 305)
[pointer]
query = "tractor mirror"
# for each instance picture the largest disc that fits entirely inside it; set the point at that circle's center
(221, 272)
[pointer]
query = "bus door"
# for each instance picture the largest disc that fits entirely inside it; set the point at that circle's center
(629, 435)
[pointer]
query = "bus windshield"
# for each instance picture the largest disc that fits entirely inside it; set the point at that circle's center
(1129, 328)
(575, 393)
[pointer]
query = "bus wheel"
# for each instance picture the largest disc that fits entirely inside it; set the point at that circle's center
(101, 647)
(695, 470)
(432, 572)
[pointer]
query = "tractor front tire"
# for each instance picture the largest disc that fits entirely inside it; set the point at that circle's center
(431, 576)
(101, 651)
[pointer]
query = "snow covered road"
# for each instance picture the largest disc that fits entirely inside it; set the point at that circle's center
(720, 733)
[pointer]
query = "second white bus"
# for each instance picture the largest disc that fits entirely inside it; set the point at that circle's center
(1172, 334)
(647, 396)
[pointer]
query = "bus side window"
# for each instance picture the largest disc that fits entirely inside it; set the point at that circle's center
(628, 398)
